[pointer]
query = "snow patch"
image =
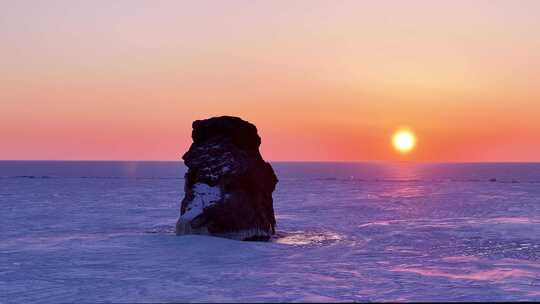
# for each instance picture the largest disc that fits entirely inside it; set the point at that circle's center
(204, 196)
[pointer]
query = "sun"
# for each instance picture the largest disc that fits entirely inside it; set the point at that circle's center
(404, 140)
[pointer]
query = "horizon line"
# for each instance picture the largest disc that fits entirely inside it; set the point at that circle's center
(284, 161)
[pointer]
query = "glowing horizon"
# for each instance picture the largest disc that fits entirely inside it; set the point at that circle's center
(321, 80)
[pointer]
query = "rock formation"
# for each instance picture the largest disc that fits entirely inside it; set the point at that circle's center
(228, 185)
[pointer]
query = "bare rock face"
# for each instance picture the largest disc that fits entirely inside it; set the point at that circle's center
(228, 186)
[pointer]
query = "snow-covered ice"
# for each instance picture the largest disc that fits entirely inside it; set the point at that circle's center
(93, 232)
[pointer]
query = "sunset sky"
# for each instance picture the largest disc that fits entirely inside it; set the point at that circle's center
(322, 80)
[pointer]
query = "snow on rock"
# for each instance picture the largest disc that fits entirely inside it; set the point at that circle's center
(228, 185)
(204, 196)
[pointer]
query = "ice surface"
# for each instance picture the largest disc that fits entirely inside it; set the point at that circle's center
(346, 232)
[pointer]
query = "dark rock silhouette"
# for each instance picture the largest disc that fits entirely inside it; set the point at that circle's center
(228, 185)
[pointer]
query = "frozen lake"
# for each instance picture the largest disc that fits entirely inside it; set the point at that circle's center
(104, 231)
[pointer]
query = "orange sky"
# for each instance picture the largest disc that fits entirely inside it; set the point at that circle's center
(322, 80)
